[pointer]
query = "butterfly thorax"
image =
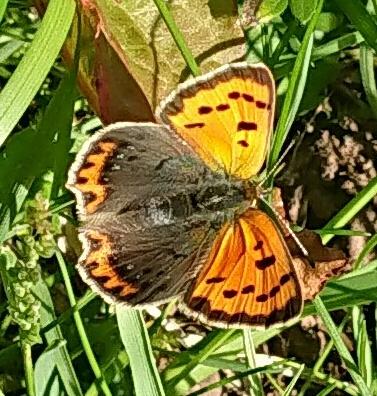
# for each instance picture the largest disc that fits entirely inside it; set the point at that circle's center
(212, 200)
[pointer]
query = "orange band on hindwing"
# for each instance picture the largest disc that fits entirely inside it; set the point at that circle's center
(89, 179)
(100, 266)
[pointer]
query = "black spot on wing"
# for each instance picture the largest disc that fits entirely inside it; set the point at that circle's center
(262, 298)
(259, 245)
(260, 104)
(248, 97)
(284, 279)
(222, 107)
(274, 291)
(246, 126)
(229, 293)
(243, 143)
(214, 280)
(248, 289)
(87, 165)
(205, 110)
(265, 262)
(195, 125)
(234, 95)
(81, 180)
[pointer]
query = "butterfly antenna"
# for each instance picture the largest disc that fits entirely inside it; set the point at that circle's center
(278, 165)
(285, 224)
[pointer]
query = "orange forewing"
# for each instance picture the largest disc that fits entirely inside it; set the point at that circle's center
(248, 278)
(226, 116)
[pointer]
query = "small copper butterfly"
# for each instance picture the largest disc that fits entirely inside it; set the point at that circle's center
(171, 209)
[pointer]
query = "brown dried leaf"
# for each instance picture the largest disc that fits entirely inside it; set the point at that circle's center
(322, 264)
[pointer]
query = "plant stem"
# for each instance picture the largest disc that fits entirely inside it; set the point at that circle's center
(28, 366)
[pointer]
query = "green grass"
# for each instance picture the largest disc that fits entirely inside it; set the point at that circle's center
(58, 337)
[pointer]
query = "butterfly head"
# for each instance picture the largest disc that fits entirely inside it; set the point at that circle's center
(252, 192)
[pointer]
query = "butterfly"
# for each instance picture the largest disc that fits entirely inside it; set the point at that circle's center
(172, 208)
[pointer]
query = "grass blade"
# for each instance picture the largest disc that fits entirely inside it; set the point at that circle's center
(341, 347)
(3, 8)
(59, 357)
(184, 364)
(329, 388)
(336, 45)
(238, 376)
(363, 349)
(33, 68)
(352, 208)
(135, 338)
(295, 90)
(292, 384)
(369, 246)
(356, 12)
(102, 385)
(256, 387)
(342, 217)
(177, 36)
(367, 75)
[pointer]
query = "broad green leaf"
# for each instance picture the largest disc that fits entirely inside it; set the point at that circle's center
(328, 21)
(270, 9)
(46, 373)
(319, 78)
(145, 44)
(130, 60)
(302, 9)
